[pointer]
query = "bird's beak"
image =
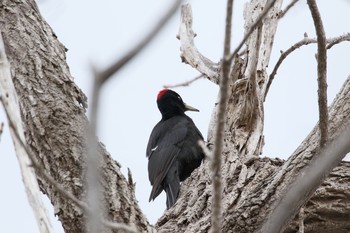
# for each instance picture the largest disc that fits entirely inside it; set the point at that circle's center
(190, 108)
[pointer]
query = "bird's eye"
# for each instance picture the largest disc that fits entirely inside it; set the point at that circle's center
(179, 98)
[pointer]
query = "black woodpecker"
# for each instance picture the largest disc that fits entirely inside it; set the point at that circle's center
(172, 151)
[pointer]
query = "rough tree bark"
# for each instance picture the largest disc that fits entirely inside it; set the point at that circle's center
(53, 115)
(252, 185)
(55, 124)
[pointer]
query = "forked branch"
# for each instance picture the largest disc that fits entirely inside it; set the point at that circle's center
(305, 41)
(189, 52)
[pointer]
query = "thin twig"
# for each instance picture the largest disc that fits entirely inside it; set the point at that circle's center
(93, 171)
(185, 84)
(305, 41)
(337, 40)
(268, 6)
(1, 129)
(321, 71)
(107, 73)
(288, 7)
(216, 217)
(94, 190)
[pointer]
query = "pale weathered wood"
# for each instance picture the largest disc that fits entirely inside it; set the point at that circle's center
(10, 103)
(189, 52)
(252, 186)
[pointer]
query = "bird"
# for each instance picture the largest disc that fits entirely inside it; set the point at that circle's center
(173, 151)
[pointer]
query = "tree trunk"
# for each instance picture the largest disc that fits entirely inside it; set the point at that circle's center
(55, 124)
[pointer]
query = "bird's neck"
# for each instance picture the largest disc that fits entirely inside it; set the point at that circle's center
(169, 114)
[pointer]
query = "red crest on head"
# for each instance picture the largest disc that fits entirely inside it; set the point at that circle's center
(161, 93)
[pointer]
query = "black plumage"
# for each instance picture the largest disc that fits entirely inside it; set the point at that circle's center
(172, 150)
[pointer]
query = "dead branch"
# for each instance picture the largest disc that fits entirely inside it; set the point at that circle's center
(107, 73)
(337, 40)
(189, 52)
(93, 170)
(216, 217)
(1, 129)
(305, 41)
(185, 84)
(321, 71)
(288, 7)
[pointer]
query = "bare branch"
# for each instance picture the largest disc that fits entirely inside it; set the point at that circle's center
(321, 71)
(297, 45)
(1, 129)
(337, 40)
(305, 41)
(107, 73)
(288, 7)
(185, 84)
(216, 217)
(93, 175)
(189, 52)
(93, 172)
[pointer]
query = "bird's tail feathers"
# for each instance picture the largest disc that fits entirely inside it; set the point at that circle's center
(156, 190)
(171, 187)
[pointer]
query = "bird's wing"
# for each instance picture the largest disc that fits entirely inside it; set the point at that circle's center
(163, 149)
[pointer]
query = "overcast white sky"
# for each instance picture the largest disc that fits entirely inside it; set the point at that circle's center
(100, 31)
